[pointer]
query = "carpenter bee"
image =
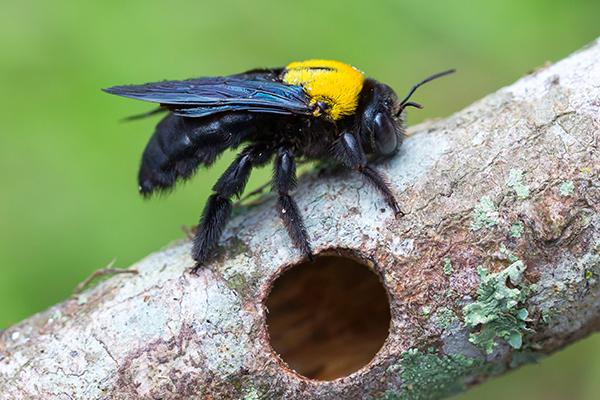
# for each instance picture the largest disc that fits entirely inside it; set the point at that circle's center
(307, 110)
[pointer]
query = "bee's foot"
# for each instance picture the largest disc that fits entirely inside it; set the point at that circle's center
(399, 214)
(196, 269)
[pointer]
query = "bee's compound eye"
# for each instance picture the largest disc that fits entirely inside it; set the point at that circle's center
(384, 134)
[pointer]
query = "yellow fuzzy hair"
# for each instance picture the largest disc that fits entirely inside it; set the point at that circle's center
(331, 82)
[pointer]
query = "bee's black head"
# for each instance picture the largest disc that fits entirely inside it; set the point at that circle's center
(381, 122)
(380, 125)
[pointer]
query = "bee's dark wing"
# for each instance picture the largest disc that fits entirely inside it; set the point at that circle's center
(207, 96)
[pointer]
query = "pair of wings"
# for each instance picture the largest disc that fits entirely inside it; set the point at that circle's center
(255, 91)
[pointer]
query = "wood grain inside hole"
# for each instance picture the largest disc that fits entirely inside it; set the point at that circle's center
(328, 318)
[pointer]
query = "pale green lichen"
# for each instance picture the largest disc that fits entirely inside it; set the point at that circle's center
(428, 376)
(548, 315)
(82, 298)
(589, 275)
(566, 188)
(237, 282)
(450, 293)
(498, 311)
(515, 182)
(585, 170)
(443, 318)
(252, 394)
(425, 310)
(238, 276)
(508, 254)
(447, 268)
(517, 229)
(484, 215)
(592, 265)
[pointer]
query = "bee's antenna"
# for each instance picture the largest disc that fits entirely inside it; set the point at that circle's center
(405, 103)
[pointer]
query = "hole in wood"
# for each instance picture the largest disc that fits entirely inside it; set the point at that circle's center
(328, 318)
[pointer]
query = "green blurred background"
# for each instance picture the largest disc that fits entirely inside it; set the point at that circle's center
(69, 203)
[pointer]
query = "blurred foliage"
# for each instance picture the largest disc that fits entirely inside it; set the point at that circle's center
(69, 202)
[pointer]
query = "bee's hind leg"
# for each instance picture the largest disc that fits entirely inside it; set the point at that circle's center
(349, 152)
(284, 181)
(218, 207)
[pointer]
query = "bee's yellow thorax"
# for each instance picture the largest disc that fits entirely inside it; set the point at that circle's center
(332, 82)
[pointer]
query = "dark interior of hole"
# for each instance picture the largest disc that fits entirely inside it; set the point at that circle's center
(328, 318)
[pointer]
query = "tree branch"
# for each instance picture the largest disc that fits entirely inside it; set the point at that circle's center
(495, 263)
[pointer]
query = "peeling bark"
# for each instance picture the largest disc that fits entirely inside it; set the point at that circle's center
(496, 262)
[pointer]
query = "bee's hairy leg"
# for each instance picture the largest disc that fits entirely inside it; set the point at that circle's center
(284, 181)
(214, 217)
(218, 207)
(349, 152)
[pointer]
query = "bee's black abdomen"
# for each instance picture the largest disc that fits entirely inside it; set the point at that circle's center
(180, 145)
(152, 173)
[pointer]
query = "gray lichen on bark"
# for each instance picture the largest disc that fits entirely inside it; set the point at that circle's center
(500, 244)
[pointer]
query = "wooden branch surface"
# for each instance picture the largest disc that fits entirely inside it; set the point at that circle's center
(495, 263)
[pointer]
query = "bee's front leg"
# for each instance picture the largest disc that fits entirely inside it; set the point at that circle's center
(349, 152)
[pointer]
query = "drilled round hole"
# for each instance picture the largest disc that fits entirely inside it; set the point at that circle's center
(328, 318)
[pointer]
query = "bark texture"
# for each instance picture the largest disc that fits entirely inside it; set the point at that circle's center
(496, 263)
